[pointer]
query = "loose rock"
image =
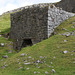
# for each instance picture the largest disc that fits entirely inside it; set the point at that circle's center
(65, 51)
(5, 56)
(2, 44)
(53, 71)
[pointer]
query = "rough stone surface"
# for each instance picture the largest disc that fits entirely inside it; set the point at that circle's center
(67, 5)
(35, 23)
(5, 56)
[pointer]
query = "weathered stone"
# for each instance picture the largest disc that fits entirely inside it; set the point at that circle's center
(2, 44)
(23, 54)
(65, 51)
(5, 56)
(35, 23)
(53, 71)
(46, 72)
(27, 63)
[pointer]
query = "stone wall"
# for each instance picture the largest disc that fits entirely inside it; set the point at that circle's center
(35, 23)
(67, 5)
(30, 23)
(55, 17)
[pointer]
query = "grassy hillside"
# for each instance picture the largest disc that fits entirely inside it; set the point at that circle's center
(41, 58)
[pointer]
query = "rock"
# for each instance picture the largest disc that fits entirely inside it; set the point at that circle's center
(65, 51)
(65, 40)
(1, 59)
(23, 54)
(53, 71)
(41, 57)
(0, 30)
(2, 44)
(0, 35)
(29, 57)
(38, 61)
(66, 34)
(34, 72)
(64, 29)
(4, 66)
(10, 51)
(46, 72)
(5, 56)
(27, 63)
(51, 62)
(27, 68)
(20, 67)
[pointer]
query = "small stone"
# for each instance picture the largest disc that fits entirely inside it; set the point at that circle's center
(1, 59)
(27, 68)
(5, 56)
(27, 63)
(64, 29)
(23, 54)
(41, 57)
(29, 57)
(53, 71)
(46, 72)
(0, 35)
(20, 67)
(65, 51)
(71, 54)
(54, 57)
(34, 72)
(65, 40)
(51, 63)
(2, 44)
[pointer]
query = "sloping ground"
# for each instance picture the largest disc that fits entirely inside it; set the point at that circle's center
(54, 56)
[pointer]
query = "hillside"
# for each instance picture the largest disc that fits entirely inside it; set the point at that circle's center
(54, 56)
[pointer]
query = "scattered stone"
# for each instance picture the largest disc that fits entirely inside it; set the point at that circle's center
(25, 60)
(74, 62)
(34, 72)
(20, 67)
(41, 57)
(53, 71)
(27, 63)
(5, 56)
(65, 40)
(73, 51)
(2, 44)
(46, 72)
(64, 29)
(54, 57)
(10, 51)
(66, 34)
(29, 57)
(65, 51)
(51, 62)
(4, 66)
(0, 35)
(23, 54)
(38, 61)
(71, 54)
(1, 59)
(72, 26)
(27, 68)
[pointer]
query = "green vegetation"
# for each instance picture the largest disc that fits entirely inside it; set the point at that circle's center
(51, 51)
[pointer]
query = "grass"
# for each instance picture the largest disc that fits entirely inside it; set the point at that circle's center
(50, 49)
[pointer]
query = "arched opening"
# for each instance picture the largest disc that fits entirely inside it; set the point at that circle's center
(26, 42)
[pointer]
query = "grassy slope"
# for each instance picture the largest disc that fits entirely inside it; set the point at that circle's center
(52, 47)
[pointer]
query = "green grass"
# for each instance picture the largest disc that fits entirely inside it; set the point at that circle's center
(48, 49)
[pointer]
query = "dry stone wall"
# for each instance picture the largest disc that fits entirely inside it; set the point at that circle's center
(35, 23)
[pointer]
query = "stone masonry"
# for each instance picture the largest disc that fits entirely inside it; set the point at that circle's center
(35, 23)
